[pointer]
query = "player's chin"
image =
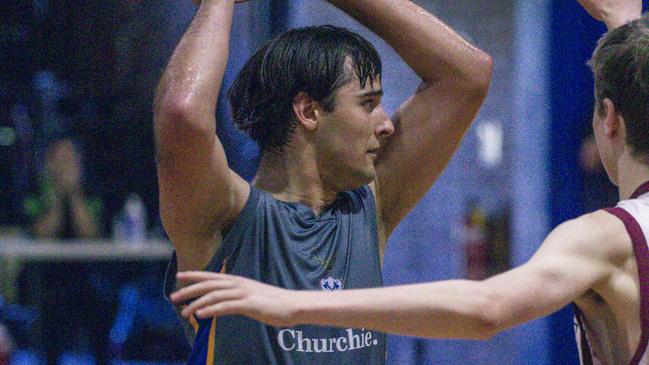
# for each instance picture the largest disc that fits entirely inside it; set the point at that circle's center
(359, 177)
(367, 175)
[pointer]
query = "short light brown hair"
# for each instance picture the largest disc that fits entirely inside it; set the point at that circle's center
(620, 67)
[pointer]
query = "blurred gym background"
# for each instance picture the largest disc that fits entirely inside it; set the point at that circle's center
(77, 80)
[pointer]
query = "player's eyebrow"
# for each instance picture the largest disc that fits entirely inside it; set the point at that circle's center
(370, 93)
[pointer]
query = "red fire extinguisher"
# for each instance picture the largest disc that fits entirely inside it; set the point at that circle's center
(476, 249)
(6, 346)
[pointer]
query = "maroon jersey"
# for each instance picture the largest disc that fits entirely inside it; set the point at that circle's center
(594, 346)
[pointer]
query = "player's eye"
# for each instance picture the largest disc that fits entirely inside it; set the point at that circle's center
(369, 105)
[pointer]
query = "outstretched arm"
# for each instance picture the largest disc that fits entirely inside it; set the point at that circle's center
(578, 256)
(429, 125)
(199, 194)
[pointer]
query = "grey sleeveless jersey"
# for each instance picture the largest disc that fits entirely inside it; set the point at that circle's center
(287, 245)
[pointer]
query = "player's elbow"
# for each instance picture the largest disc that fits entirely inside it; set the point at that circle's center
(488, 317)
(486, 71)
(177, 122)
(179, 109)
(478, 80)
(486, 328)
(472, 81)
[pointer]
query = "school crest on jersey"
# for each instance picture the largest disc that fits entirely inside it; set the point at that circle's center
(331, 284)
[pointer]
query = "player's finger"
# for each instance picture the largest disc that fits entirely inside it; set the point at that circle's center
(213, 297)
(223, 308)
(201, 288)
(195, 276)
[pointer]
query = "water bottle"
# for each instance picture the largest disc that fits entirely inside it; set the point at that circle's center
(130, 225)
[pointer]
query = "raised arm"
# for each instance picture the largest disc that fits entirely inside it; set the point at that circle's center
(199, 194)
(577, 257)
(429, 125)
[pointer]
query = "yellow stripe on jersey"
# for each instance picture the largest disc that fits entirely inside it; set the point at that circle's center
(194, 323)
(211, 340)
(210, 343)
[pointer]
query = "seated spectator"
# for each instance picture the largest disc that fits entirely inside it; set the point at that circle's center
(61, 208)
(74, 317)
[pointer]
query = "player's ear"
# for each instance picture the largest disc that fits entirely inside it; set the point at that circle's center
(613, 120)
(306, 111)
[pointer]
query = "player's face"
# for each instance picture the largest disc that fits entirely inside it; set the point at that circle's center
(349, 137)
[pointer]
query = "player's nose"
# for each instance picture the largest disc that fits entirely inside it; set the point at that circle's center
(385, 126)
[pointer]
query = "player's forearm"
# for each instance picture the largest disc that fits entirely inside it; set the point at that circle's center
(430, 47)
(191, 81)
(449, 309)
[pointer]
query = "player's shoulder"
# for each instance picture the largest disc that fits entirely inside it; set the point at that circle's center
(599, 231)
(599, 224)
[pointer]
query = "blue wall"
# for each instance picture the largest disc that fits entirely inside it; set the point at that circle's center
(574, 35)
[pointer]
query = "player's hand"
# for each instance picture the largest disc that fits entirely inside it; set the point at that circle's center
(215, 294)
(613, 13)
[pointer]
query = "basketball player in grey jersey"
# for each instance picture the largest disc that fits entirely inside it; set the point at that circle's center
(599, 261)
(312, 102)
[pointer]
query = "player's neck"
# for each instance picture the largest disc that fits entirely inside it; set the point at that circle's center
(632, 172)
(292, 175)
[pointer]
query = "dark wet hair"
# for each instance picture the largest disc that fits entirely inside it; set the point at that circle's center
(310, 60)
(620, 67)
